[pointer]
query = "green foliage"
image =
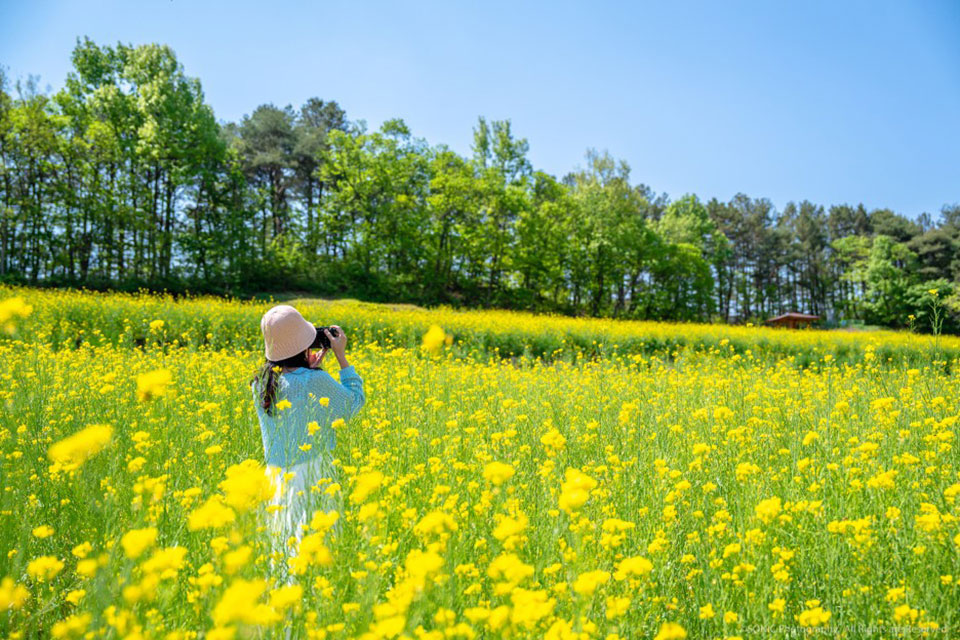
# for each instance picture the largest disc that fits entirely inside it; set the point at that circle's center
(124, 178)
(888, 281)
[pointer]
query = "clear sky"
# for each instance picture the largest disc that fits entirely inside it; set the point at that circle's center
(831, 101)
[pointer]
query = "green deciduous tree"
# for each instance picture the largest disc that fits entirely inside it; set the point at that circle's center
(125, 178)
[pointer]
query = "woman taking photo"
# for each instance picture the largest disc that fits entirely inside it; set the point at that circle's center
(296, 403)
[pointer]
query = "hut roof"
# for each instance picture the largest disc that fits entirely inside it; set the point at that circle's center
(793, 316)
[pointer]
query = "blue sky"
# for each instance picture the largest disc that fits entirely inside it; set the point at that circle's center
(829, 101)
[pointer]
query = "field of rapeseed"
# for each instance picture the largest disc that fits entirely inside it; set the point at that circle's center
(68, 318)
(739, 483)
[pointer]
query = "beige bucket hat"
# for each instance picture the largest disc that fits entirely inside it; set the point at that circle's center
(285, 332)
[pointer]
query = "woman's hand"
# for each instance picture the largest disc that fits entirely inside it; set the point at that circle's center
(338, 344)
(315, 359)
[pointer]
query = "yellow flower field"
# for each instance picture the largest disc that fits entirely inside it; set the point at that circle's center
(711, 492)
(68, 318)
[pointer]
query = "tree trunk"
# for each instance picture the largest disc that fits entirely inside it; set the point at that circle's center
(167, 255)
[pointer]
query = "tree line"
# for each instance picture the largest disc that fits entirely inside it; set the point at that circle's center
(124, 178)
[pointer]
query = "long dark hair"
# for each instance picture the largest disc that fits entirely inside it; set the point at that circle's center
(266, 378)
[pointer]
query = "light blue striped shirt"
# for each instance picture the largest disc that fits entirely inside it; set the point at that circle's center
(286, 432)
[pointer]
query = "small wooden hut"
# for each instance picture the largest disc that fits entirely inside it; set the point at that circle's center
(793, 320)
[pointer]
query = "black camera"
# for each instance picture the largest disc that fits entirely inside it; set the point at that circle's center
(322, 341)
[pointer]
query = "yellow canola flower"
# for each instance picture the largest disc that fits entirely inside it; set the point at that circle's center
(136, 541)
(246, 486)
(616, 525)
(43, 531)
(561, 630)
(509, 527)
(222, 633)
(671, 631)
(510, 570)
(435, 523)
(240, 603)
(616, 607)
(895, 593)
(767, 510)
(235, 560)
(323, 520)
(153, 384)
(389, 627)
(587, 583)
(165, 562)
(529, 607)
(12, 308)
(74, 450)
(930, 519)
(44, 568)
(87, 568)
(553, 441)
(434, 339)
(420, 564)
(364, 485)
(12, 595)
(633, 567)
(575, 490)
(213, 514)
(312, 552)
(72, 626)
(283, 598)
(498, 472)
(813, 617)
